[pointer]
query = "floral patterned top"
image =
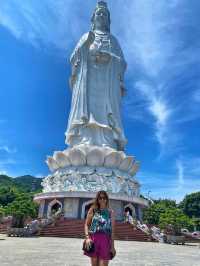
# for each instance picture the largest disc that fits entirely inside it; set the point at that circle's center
(101, 221)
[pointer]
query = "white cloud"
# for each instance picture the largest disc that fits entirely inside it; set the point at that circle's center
(5, 162)
(43, 25)
(160, 110)
(192, 167)
(162, 66)
(40, 175)
(180, 172)
(176, 182)
(2, 172)
(172, 185)
(7, 149)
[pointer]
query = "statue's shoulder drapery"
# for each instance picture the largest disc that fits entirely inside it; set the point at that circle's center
(84, 41)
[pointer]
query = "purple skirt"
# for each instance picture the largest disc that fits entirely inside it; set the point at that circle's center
(102, 244)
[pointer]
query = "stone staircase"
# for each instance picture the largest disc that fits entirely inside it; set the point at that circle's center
(75, 229)
(3, 228)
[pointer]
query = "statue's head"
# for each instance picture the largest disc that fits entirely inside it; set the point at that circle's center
(101, 17)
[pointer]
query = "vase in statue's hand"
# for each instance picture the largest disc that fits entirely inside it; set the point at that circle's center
(99, 56)
(102, 57)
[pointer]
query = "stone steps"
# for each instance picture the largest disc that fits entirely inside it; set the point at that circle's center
(75, 228)
(3, 228)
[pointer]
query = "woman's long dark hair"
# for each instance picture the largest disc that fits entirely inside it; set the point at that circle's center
(96, 204)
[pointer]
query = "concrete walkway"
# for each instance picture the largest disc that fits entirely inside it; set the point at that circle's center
(67, 252)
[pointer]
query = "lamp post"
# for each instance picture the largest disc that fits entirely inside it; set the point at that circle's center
(148, 194)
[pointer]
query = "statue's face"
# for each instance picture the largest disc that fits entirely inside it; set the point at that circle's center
(101, 19)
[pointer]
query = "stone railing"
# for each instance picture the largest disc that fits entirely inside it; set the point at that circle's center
(34, 227)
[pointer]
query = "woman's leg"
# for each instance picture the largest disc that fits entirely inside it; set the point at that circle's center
(94, 261)
(103, 262)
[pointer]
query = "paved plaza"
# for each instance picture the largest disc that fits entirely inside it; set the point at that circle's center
(40, 251)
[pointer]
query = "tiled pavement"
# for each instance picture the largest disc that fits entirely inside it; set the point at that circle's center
(67, 252)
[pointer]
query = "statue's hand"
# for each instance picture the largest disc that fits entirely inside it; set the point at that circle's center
(91, 38)
(102, 57)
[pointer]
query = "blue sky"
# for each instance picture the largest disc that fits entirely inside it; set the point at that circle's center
(161, 114)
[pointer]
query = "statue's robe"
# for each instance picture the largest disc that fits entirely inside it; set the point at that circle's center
(96, 96)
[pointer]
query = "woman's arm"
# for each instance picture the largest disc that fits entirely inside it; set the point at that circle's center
(113, 228)
(88, 222)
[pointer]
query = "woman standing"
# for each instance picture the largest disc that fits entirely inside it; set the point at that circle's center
(99, 229)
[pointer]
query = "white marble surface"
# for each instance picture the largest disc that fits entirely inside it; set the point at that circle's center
(97, 82)
(93, 156)
(79, 180)
(91, 195)
(71, 207)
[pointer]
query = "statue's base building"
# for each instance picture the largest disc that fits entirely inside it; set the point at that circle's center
(80, 172)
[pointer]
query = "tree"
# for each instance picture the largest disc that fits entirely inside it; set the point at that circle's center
(152, 214)
(6, 180)
(7, 195)
(2, 212)
(167, 203)
(176, 219)
(191, 205)
(196, 222)
(21, 208)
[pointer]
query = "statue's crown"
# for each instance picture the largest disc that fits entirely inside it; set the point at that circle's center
(101, 4)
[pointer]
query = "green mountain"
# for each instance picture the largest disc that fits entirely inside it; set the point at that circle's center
(25, 183)
(5, 181)
(28, 183)
(11, 188)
